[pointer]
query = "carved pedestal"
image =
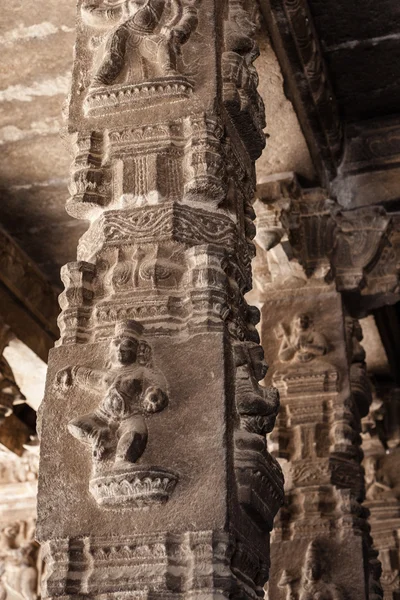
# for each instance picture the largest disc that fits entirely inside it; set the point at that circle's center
(155, 479)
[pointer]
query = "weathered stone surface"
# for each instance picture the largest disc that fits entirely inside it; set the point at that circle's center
(321, 542)
(154, 463)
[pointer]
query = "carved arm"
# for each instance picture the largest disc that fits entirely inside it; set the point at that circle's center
(187, 22)
(100, 15)
(84, 377)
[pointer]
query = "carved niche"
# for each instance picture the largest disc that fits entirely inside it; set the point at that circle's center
(116, 431)
(137, 48)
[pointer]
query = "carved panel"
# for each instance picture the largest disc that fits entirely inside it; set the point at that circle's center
(117, 431)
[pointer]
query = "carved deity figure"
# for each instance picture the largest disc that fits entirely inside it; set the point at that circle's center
(257, 405)
(18, 573)
(145, 38)
(316, 580)
(131, 390)
(302, 343)
(377, 484)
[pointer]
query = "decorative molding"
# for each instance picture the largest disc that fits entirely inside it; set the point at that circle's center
(165, 565)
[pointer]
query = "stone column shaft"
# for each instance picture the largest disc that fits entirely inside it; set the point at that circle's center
(315, 266)
(155, 480)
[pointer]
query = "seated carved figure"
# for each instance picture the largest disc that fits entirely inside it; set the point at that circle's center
(316, 582)
(302, 343)
(146, 42)
(117, 429)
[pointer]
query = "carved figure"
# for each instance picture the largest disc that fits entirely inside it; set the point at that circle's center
(302, 343)
(146, 40)
(18, 573)
(316, 581)
(257, 405)
(377, 484)
(131, 390)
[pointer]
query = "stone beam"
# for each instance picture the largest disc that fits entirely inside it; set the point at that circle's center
(307, 81)
(155, 478)
(27, 300)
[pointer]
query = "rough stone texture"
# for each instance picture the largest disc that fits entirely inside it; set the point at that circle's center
(155, 479)
(286, 148)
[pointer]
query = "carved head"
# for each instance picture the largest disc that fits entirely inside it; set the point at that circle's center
(11, 532)
(303, 322)
(125, 343)
(316, 564)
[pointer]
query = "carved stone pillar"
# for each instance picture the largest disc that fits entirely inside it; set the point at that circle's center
(312, 261)
(155, 480)
(382, 478)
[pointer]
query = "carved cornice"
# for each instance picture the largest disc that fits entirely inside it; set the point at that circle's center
(28, 301)
(308, 85)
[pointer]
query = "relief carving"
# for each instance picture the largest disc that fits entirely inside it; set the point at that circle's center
(360, 238)
(141, 56)
(18, 562)
(259, 477)
(301, 343)
(359, 382)
(240, 78)
(117, 430)
(317, 581)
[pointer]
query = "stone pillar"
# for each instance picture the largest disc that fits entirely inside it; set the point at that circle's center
(155, 480)
(382, 478)
(314, 265)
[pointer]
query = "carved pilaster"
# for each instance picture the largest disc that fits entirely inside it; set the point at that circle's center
(381, 456)
(155, 478)
(308, 253)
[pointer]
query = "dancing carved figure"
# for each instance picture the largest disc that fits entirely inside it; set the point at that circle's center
(18, 573)
(316, 581)
(131, 390)
(145, 39)
(302, 343)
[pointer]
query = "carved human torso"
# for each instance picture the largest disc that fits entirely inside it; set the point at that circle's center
(124, 390)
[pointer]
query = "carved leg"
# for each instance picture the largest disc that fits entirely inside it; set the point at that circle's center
(114, 58)
(132, 442)
(93, 430)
